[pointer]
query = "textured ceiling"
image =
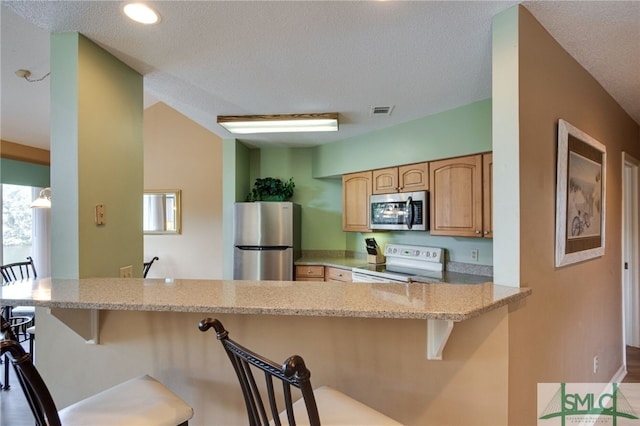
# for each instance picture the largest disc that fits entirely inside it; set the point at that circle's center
(227, 58)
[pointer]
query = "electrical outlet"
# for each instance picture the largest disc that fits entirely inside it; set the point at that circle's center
(474, 255)
(595, 364)
(126, 271)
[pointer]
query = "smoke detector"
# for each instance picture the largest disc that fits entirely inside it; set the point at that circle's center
(380, 110)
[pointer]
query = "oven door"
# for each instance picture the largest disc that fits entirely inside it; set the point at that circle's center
(402, 211)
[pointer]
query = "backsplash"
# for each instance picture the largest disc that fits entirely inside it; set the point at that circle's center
(469, 268)
(457, 249)
(332, 254)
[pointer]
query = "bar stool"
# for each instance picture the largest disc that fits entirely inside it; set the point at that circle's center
(31, 331)
(323, 405)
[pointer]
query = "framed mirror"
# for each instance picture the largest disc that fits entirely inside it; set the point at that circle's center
(161, 211)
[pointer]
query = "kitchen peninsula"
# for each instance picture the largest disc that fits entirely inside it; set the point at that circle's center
(349, 334)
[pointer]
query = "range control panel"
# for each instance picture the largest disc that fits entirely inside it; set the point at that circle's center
(415, 253)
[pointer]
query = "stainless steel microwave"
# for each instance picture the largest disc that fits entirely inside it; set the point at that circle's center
(407, 211)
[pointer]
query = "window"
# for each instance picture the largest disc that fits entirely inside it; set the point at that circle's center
(17, 223)
(25, 231)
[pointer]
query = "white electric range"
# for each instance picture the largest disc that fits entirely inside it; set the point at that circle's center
(404, 263)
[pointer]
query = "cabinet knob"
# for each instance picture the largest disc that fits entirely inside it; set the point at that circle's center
(478, 232)
(486, 232)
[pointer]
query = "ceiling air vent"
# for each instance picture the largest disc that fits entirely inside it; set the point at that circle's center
(381, 110)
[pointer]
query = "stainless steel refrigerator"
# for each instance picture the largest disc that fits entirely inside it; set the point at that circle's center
(267, 240)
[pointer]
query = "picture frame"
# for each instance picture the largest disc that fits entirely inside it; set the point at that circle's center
(580, 196)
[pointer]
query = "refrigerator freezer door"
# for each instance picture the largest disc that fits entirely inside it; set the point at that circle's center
(263, 263)
(264, 224)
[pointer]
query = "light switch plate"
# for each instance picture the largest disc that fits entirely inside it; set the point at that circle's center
(101, 214)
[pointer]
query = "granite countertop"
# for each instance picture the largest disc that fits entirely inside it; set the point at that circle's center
(332, 299)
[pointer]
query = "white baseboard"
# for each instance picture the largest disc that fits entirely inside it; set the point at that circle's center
(620, 375)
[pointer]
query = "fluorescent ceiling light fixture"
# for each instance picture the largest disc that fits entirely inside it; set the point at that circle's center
(280, 123)
(142, 13)
(43, 201)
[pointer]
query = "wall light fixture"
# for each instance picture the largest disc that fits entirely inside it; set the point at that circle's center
(43, 201)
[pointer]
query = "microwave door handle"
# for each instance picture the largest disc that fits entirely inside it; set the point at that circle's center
(409, 209)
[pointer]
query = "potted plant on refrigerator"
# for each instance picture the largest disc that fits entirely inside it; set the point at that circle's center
(271, 189)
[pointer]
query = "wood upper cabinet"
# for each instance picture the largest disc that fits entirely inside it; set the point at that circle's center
(457, 206)
(356, 190)
(409, 178)
(487, 195)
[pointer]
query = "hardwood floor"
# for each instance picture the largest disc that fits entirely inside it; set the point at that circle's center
(14, 410)
(633, 365)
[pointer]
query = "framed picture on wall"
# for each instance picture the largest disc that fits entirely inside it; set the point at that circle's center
(580, 196)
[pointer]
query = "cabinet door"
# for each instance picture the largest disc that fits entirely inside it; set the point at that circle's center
(385, 181)
(456, 196)
(356, 190)
(487, 195)
(309, 273)
(414, 177)
(336, 274)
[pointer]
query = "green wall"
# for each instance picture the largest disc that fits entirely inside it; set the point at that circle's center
(321, 199)
(96, 158)
(21, 173)
(460, 131)
(317, 174)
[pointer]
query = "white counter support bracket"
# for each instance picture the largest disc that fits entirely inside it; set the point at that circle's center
(84, 322)
(438, 332)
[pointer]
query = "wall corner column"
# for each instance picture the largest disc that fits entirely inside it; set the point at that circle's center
(506, 148)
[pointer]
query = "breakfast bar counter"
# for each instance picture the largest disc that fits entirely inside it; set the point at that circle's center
(453, 302)
(411, 351)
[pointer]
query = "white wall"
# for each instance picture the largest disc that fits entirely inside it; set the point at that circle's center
(180, 154)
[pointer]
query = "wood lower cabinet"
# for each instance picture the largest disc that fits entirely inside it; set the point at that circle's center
(409, 178)
(457, 190)
(322, 273)
(309, 273)
(337, 274)
(356, 190)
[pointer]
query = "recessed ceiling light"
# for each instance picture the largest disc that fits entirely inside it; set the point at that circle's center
(142, 13)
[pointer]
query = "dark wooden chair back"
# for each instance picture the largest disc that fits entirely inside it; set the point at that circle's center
(147, 265)
(34, 388)
(18, 271)
(293, 372)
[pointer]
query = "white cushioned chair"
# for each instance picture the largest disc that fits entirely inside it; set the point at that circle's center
(324, 405)
(142, 401)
